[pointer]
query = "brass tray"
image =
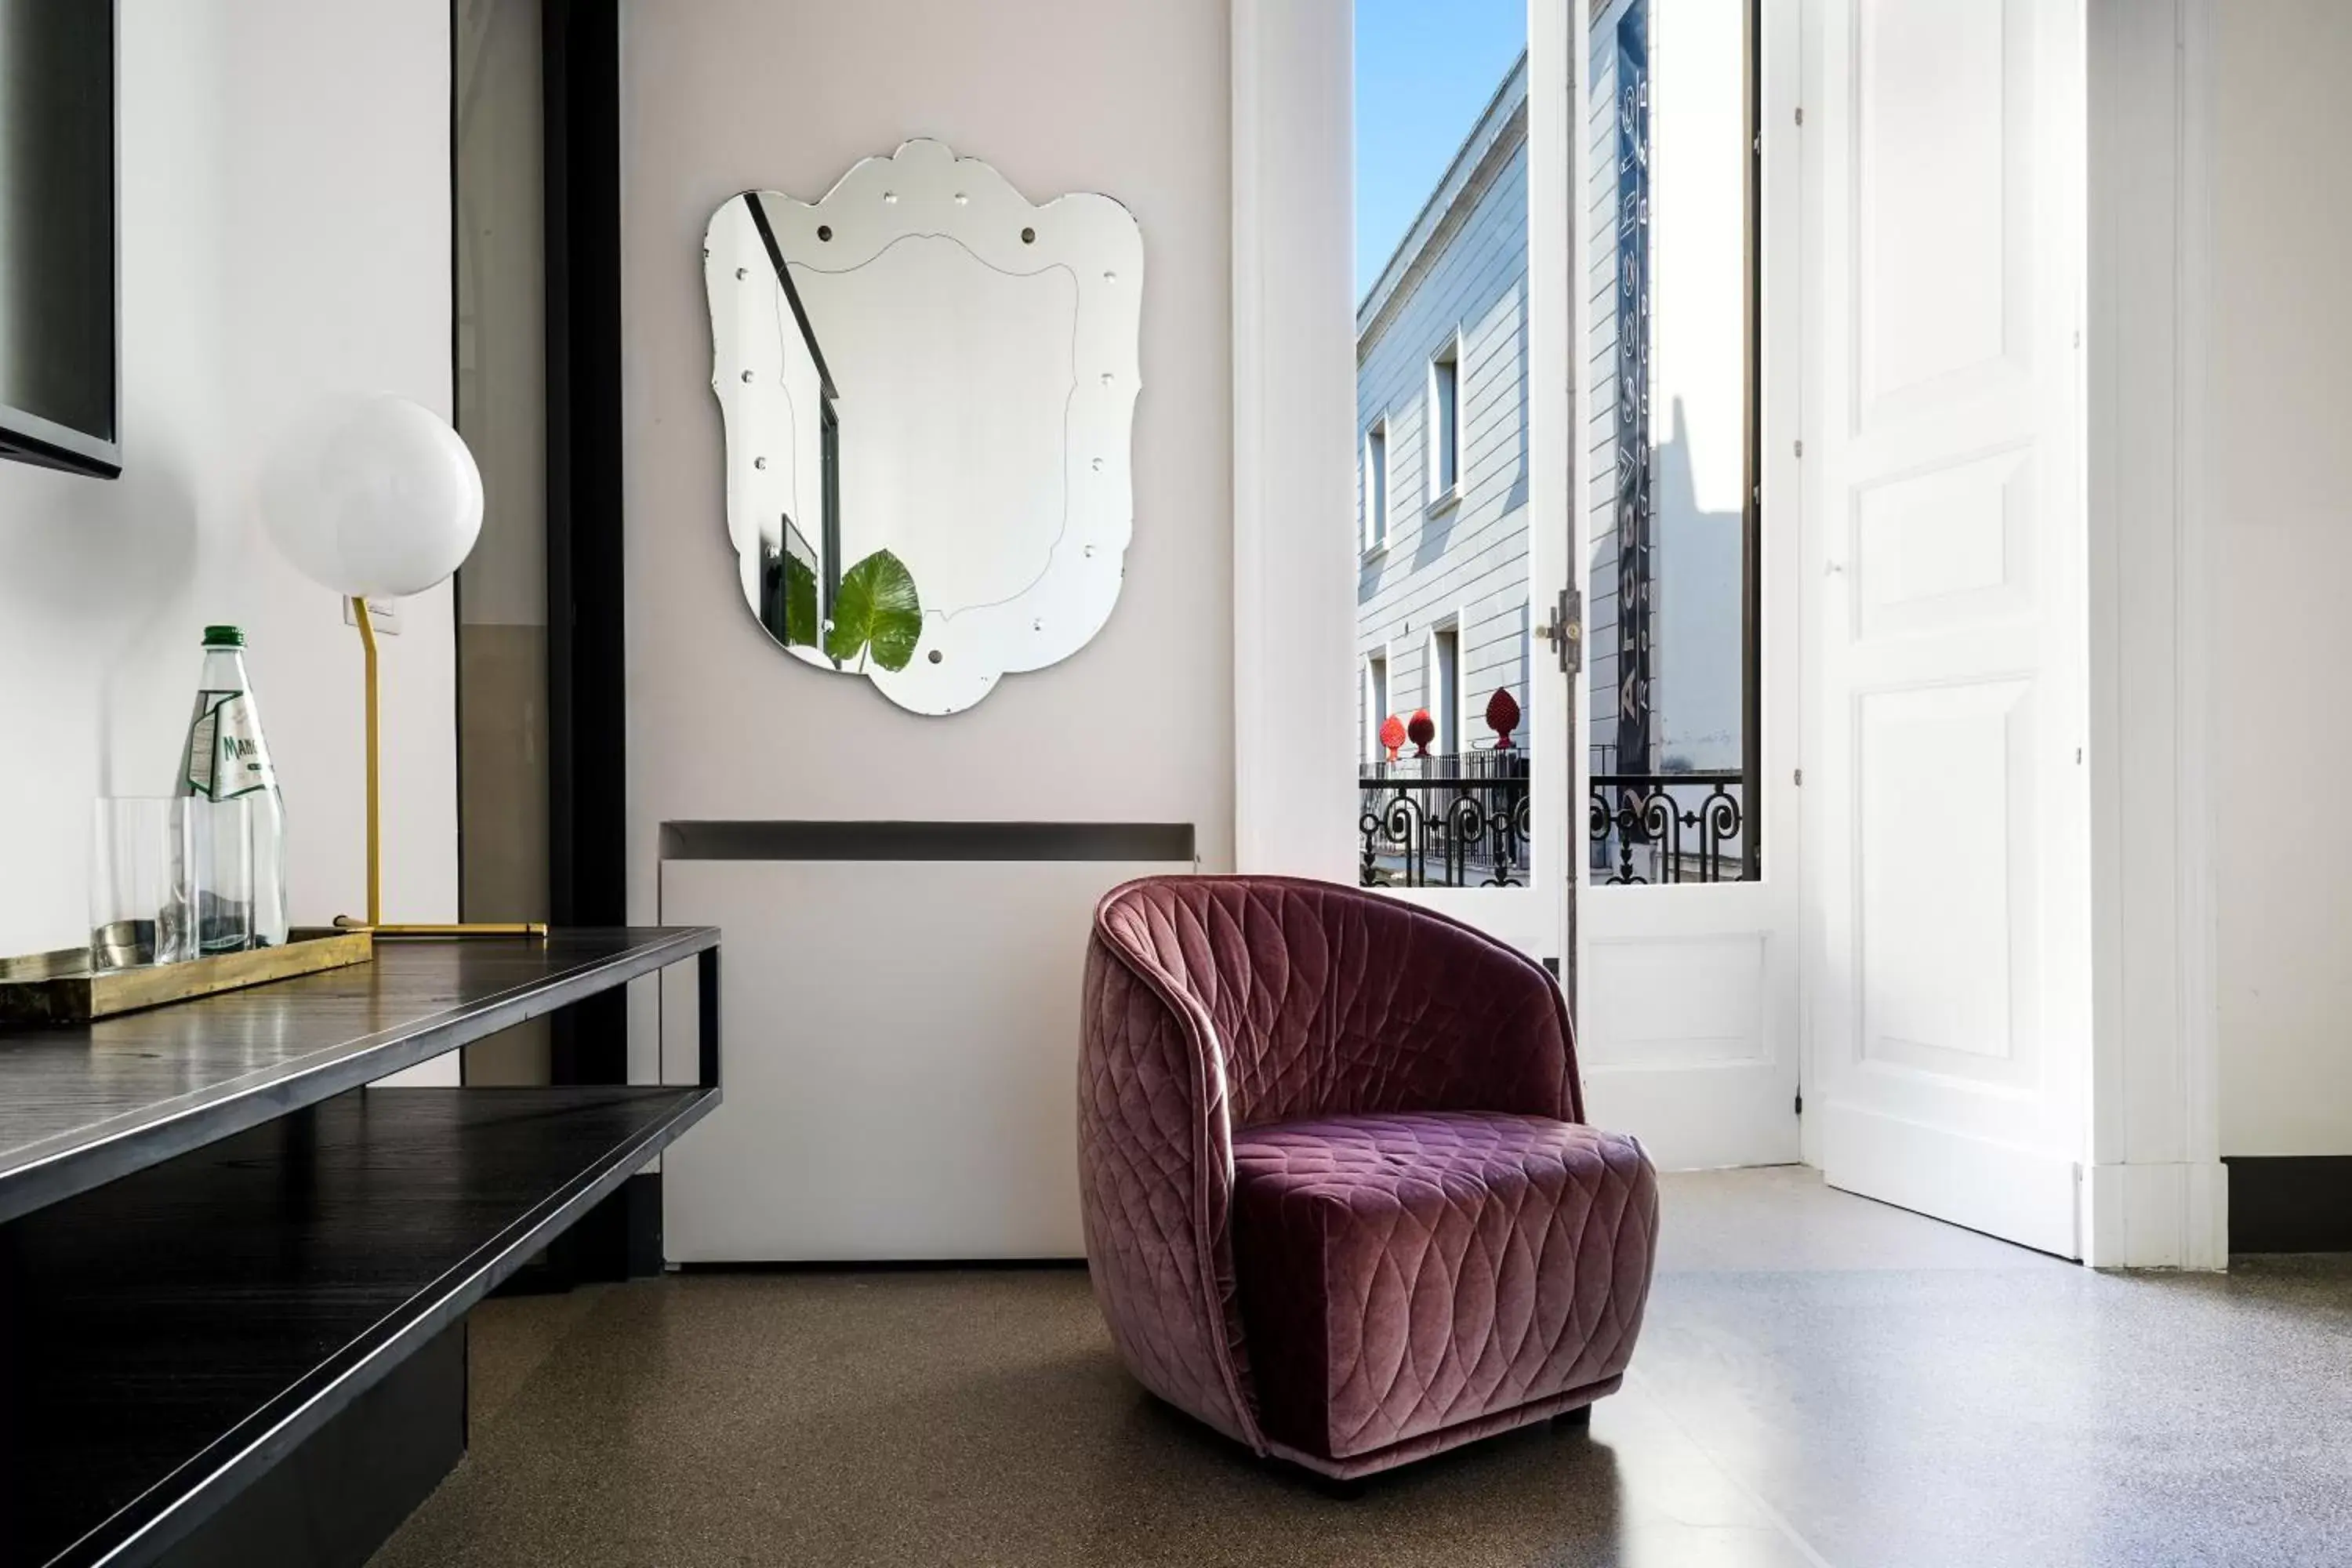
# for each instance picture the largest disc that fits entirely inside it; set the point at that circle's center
(58, 987)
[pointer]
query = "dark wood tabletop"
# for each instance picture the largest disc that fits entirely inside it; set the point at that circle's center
(83, 1105)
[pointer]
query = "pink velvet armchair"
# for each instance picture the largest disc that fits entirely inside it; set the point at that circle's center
(1339, 1203)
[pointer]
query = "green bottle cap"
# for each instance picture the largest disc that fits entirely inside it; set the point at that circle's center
(224, 637)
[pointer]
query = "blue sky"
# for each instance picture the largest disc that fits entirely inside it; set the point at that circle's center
(1424, 69)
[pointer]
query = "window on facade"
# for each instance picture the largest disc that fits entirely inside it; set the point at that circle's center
(1376, 486)
(1445, 421)
(1671, 624)
(1446, 688)
(1376, 705)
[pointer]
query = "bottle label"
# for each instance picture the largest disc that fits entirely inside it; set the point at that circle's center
(226, 756)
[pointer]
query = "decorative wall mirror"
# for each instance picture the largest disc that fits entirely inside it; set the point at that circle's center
(927, 386)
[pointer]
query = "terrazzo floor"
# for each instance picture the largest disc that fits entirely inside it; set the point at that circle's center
(1822, 1381)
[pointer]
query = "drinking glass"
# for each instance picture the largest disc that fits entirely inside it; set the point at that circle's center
(220, 873)
(139, 883)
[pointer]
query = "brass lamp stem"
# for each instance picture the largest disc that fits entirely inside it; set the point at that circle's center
(375, 834)
(374, 839)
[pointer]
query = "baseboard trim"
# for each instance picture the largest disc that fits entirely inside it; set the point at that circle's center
(2290, 1203)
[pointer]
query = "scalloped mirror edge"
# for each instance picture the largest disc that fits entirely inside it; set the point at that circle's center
(928, 388)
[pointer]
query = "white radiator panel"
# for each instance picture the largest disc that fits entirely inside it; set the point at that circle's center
(901, 1053)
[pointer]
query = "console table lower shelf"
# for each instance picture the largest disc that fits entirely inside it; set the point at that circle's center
(166, 1338)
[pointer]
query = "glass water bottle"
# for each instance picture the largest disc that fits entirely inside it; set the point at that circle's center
(229, 760)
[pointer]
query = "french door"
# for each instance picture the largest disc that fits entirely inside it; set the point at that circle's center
(1688, 1033)
(1466, 460)
(1675, 935)
(1945, 801)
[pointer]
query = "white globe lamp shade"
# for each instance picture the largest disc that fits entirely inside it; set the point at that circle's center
(374, 497)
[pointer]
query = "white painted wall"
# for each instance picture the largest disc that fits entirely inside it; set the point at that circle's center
(2278, 500)
(954, 1044)
(285, 197)
(1129, 98)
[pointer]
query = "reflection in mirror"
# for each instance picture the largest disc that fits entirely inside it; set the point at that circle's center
(927, 385)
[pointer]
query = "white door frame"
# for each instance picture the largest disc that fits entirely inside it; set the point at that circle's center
(1295, 705)
(2157, 1192)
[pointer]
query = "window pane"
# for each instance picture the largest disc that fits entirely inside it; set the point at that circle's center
(1440, 354)
(1443, 422)
(1671, 528)
(1447, 679)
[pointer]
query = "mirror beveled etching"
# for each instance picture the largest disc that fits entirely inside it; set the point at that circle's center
(927, 385)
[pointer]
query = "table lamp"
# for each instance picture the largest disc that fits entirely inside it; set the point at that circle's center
(377, 497)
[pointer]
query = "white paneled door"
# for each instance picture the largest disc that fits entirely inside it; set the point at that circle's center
(1945, 802)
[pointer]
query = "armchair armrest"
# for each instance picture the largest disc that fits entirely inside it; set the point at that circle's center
(1155, 1182)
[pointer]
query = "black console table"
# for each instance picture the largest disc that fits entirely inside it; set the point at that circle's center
(214, 1241)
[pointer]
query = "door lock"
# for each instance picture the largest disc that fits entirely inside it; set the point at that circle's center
(1565, 631)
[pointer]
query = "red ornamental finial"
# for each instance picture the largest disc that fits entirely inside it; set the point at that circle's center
(1503, 717)
(1392, 736)
(1420, 731)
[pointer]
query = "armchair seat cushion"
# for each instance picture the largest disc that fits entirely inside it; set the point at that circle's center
(1405, 1273)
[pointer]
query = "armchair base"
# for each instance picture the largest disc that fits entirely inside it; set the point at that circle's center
(1573, 1406)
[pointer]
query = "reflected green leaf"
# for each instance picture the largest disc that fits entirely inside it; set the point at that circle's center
(876, 610)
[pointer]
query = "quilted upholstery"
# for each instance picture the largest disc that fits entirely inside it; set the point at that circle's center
(1404, 1088)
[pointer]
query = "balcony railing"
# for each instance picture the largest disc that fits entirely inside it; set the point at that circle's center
(1453, 821)
(1462, 822)
(1668, 827)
